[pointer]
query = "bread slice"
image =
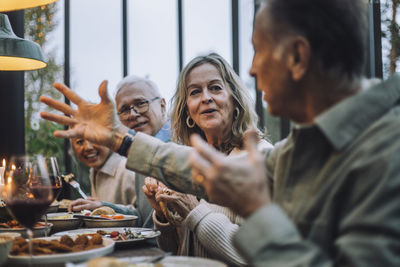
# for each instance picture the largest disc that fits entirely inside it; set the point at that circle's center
(103, 210)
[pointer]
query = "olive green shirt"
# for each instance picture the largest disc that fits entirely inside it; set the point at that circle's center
(336, 189)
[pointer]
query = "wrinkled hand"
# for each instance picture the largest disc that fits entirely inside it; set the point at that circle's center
(238, 183)
(177, 202)
(83, 204)
(97, 123)
(150, 188)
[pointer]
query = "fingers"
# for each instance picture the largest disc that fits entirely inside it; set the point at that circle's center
(151, 184)
(166, 198)
(75, 205)
(146, 191)
(71, 133)
(250, 143)
(66, 109)
(200, 166)
(103, 92)
(68, 93)
(61, 119)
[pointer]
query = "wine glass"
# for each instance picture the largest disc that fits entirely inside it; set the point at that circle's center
(55, 176)
(55, 180)
(28, 192)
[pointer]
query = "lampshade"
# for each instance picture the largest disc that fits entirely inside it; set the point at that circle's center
(9, 5)
(17, 53)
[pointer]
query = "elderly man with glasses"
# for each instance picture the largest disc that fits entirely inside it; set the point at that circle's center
(141, 108)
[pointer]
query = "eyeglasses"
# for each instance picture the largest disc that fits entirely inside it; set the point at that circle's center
(140, 107)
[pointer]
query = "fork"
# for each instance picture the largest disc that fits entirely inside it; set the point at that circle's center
(77, 186)
(69, 178)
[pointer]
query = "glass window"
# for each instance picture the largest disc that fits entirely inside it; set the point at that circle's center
(96, 45)
(207, 28)
(153, 42)
(246, 14)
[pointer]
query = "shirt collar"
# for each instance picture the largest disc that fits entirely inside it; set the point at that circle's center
(342, 123)
(111, 165)
(164, 133)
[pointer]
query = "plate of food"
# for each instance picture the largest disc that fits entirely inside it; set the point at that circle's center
(169, 261)
(40, 229)
(106, 217)
(60, 249)
(63, 221)
(52, 208)
(121, 235)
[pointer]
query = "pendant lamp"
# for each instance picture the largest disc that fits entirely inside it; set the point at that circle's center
(10, 5)
(17, 53)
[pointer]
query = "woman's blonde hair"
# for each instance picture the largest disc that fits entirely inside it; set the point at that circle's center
(246, 119)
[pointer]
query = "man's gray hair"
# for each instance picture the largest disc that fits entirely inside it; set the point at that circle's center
(132, 79)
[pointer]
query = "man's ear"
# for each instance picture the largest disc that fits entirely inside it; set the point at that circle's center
(299, 53)
(163, 105)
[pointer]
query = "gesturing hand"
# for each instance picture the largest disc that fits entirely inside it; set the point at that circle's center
(235, 182)
(150, 188)
(97, 123)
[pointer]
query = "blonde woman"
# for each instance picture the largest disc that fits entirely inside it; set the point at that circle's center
(211, 101)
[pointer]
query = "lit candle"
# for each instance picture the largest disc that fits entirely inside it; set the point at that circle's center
(2, 169)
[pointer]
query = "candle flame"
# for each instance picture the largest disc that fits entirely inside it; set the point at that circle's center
(13, 167)
(9, 180)
(4, 162)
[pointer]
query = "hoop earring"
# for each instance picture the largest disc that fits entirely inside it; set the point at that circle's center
(236, 113)
(190, 125)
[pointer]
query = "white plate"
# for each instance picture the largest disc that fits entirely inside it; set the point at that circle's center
(127, 221)
(62, 224)
(37, 231)
(146, 232)
(64, 257)
(170, 261)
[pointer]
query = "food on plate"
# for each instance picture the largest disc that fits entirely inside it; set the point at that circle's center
(62, 217)
(103, 210)
(114, 262)
(114, 217)
(127, 234)
(13, 224)
(63, 204)
(64, 245)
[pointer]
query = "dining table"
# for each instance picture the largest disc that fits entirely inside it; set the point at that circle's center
(141, 249)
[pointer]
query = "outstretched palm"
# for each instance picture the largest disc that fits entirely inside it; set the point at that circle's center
(97, 123)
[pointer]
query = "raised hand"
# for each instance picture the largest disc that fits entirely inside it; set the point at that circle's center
(150, 188)
(97, 123)
(235, 182)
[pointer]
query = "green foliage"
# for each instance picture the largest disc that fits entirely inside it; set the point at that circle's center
(39, 23)
(390, 34)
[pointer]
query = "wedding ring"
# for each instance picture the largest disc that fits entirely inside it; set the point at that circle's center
(166, 191)
(199, 178)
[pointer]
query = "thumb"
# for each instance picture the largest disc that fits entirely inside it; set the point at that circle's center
(103, 92)
(250, 143)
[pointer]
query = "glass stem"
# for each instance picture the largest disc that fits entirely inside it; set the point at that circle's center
(45, 225)
(30, 236)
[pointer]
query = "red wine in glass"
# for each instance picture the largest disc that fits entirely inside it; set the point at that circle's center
(28, 212)
(55, 186)
(27, 191)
